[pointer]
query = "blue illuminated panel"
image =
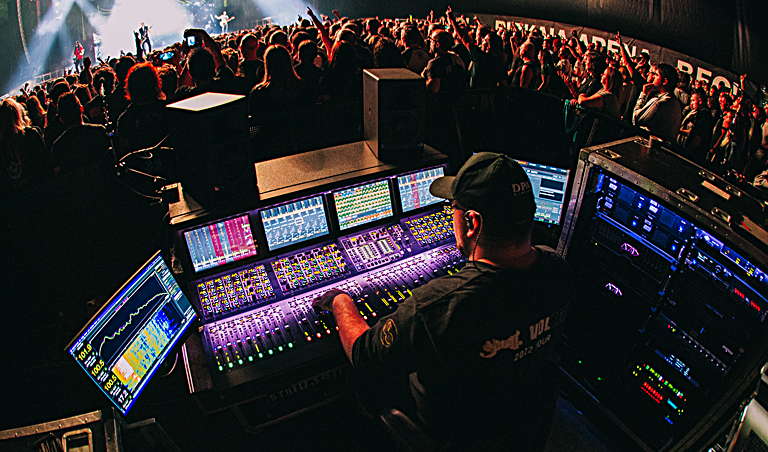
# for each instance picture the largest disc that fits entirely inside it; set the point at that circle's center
(363, 204)
(124, 345)
(414, 189)
(549, 186)
(295, 222)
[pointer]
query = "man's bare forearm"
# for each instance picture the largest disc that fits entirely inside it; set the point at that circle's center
(351, 324)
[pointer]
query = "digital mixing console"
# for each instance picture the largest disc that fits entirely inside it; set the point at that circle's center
(261, 311)
(377, 240)
(234, 291)
(432, 228)
(290, 323)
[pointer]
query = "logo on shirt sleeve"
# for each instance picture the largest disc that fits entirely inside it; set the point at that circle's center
(389, 333)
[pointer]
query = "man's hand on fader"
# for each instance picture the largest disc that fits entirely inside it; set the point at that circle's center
(325, 301)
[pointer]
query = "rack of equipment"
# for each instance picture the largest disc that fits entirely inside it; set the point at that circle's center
(669, 330)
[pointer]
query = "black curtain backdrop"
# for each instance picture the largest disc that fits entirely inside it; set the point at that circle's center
(729, 34)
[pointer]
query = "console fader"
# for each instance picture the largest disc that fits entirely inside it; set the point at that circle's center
(264, 311)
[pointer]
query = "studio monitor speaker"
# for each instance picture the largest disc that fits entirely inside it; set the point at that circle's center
(394, 106)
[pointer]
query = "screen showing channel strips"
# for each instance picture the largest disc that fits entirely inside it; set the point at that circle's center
(363, 204)
(221, 243)
(549, 184)
(414, 189)
(295, 222)
(124, 345)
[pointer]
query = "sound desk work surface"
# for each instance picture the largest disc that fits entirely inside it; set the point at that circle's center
(257, 316)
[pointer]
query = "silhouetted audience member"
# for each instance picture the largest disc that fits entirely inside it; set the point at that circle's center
(342, 81)
(23, 154)
(117, 101)
(53, 126)
(35, 112)
(144, 123)
(307, 70)
(282, 90)
(81, 144)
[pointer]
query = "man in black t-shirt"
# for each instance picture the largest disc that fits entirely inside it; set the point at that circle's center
(474, 343)
(445, 73)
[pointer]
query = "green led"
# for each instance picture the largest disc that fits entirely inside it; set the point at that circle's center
(579, 362)
(280, 348)
(290, 344)
(240, 361)
(261, 355)
(250, 358)
(221, 368)
(599, 379)
(271, 352)
(229, 364)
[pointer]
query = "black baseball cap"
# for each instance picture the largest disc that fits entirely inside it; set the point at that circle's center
(493, 184)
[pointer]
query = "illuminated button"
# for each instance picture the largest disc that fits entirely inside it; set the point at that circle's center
(229, 364)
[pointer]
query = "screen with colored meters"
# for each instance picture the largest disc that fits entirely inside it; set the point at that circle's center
(124, 345)
(414, 188)
(549, 185)
(220, 243)
(295, 222)
(363, 204)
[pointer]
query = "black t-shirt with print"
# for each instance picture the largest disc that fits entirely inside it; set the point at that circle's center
(476, 341)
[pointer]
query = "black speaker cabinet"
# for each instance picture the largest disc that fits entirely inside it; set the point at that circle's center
(394, 107)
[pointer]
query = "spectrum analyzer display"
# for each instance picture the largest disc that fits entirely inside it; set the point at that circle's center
(125, 343)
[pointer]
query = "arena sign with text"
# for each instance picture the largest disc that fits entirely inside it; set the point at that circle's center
(699, 70)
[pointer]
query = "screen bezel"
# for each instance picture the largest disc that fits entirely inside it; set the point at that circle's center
(290, 246)
(332, 204)
(171, 349)
(183, 236)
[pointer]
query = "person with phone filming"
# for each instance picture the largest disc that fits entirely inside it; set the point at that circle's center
(472, 347)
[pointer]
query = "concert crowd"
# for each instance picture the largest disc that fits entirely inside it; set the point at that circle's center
(107, 110)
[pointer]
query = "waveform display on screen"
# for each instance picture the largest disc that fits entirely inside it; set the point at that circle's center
(414, 189)
(123, 345)
(295, 222)
(220, 243)
(363, 204)
(129, 318)
(148, 345)
(122, 328)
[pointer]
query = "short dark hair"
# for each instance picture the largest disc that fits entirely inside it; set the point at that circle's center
(123, 65)
(307, 51)
(669, 73)
(201, 64)
(498, 229)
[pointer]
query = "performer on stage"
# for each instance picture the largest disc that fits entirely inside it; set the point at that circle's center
(78, 56)
(144, 37)
(224, 21)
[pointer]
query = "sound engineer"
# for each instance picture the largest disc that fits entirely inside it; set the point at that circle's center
(473, 344)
